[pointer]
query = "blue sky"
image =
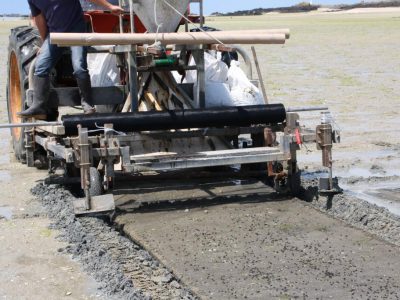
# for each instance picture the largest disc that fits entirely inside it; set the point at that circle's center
(21, 6)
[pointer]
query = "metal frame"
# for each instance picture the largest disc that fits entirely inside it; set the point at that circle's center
(111, 147)
(124, 154)
(112, 153)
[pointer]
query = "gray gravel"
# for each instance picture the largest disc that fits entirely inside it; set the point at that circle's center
(123, 269)
(271, 249)
(358, 213)
(126, 271)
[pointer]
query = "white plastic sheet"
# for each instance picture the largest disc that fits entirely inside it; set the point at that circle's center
(243, 92)
(225, 86)
(215, 70)
(103, 69)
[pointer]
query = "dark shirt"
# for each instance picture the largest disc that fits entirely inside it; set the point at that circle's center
(60, 15)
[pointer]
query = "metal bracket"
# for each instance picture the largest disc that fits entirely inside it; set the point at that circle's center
(324, 135)
(198, 56)
(123, 49)
(84, 163)
(29, 146)
(108, 161)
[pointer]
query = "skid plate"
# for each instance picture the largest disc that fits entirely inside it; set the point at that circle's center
(103, 204)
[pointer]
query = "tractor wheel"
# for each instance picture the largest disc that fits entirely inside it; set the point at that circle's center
(23, 44)
(96, 187)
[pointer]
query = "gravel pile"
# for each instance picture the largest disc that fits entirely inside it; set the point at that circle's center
(358, 213)
(123, 269)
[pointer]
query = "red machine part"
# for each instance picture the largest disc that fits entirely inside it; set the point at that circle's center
(104, 22)
(298, 136)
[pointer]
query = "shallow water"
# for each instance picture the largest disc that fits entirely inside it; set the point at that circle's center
(5, 176)
(383, 194)
(6, 212)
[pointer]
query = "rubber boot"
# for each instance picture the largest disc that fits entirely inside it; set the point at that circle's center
(85, 89)
(41, 92)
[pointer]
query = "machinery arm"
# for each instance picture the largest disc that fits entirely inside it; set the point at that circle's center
(113, 8)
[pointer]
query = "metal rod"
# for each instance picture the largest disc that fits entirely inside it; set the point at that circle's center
(58, 123)
(133, 80)
(121, 25)
(84, 164)
(306, 108)
(186, 22)
(260, 78)
(247, 60)
(131, 16)
(31, 124)
(201, 14)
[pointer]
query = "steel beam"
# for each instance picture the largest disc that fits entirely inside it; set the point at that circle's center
(59, 150)
(209, 159)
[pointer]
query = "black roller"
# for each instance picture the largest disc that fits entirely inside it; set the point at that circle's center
(180, 119)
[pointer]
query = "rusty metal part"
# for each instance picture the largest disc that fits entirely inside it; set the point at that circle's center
(270, 141)
(324, 135)
(324, 143)
(269, 137)
(277, 175)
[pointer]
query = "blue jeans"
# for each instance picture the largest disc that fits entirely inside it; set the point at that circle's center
(50, 54)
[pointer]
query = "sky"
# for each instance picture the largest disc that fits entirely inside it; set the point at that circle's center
(21, 6)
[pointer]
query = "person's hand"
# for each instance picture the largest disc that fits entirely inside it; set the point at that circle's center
(115, 9)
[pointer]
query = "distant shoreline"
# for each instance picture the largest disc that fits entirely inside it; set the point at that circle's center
(13, 18)
(306, 7)
(299, 8)
(20, 16)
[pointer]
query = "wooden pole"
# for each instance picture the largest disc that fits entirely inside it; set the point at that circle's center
(260, 78)
(177, 38)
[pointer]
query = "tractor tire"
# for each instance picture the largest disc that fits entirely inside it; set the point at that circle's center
(23, 45)
(96, 187)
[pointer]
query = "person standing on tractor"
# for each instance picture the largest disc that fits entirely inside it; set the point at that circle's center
(60, 16)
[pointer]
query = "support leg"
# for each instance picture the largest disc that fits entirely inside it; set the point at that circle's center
(85, 164)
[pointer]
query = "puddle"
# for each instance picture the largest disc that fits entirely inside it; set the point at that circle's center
(5, 212)
(5, 176)
(366, 173)
(314, 175)
(382, 163)
(4, 159)
(344, 155)
(385, 195)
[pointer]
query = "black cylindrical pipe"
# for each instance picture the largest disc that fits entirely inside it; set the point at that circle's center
(179, 119)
